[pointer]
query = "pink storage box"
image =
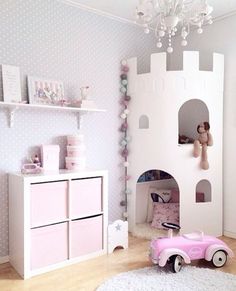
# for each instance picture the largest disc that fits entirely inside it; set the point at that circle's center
(73, 163)
(86, 236)
(86, 197)
(49, 245)
(50, 157)
(76, 151)
(56, 207)
(75, 140)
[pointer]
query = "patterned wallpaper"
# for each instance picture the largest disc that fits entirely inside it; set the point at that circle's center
(50, 39)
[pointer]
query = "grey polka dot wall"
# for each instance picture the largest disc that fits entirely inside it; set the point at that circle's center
(56, 41)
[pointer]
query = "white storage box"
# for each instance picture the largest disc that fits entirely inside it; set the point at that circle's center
(50, 157)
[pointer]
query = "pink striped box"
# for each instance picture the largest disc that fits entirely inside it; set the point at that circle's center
(76, 151)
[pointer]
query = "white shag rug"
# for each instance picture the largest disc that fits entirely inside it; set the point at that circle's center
(190, 278)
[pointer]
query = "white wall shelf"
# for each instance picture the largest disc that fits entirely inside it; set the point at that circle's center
(13, 107)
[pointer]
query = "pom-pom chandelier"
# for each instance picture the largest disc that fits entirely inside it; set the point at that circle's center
(166, 17)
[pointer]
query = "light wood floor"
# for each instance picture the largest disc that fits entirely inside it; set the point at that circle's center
(86, 276)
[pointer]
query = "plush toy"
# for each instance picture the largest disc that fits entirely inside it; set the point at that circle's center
(200, 144)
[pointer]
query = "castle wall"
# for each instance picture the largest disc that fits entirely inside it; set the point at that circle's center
(159, 95)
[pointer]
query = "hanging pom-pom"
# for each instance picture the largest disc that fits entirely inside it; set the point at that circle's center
(125, 103)
(123, 115)
(125, 68)
(128, 138)
(124, 82)
(125, 153)
(123, 62)
(128, 191)
(123, 142)
(126, 164)
(126, 111)
(123, 76)
(122, 203)
(127, 98)
(125, 214)
(123, 90)
(124, 127)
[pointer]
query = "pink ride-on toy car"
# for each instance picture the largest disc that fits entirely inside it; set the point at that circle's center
(182, 249)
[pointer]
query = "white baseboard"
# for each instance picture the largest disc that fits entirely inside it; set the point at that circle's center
(230, 234)
(4, 259)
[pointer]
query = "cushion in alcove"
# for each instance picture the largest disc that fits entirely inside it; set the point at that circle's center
(165, 194)
(165, 212)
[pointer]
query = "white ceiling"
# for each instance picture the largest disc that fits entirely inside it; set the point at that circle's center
(125, 9)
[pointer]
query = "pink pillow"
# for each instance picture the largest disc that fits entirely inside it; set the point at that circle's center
(200, 197)
(165, 212)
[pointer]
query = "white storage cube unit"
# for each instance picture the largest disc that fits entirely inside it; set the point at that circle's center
(156, 99)
(52, 223)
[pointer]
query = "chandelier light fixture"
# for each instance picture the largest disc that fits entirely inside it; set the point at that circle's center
(167, 17)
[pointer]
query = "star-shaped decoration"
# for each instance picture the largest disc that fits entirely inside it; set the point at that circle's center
(118, 227)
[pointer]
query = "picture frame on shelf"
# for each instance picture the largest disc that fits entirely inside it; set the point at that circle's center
(11, 83)
(45, 92)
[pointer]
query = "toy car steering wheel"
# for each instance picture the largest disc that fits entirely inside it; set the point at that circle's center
(170, 225)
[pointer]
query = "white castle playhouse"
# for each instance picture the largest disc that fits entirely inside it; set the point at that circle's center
(164, 105)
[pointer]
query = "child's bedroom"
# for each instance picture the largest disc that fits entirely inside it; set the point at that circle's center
(117, 129)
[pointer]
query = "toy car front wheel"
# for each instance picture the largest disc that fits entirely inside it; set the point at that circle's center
(219, 259)
(177, 263)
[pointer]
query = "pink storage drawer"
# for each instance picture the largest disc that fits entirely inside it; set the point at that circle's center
(49, 245)
(48, 203)
(86, 236)
(86, 197)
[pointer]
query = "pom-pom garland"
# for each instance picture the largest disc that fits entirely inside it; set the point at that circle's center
(123, 128)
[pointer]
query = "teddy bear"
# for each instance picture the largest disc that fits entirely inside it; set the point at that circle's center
(200, 144)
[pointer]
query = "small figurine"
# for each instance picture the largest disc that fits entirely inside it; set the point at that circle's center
(36, 160)
(32, 166)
